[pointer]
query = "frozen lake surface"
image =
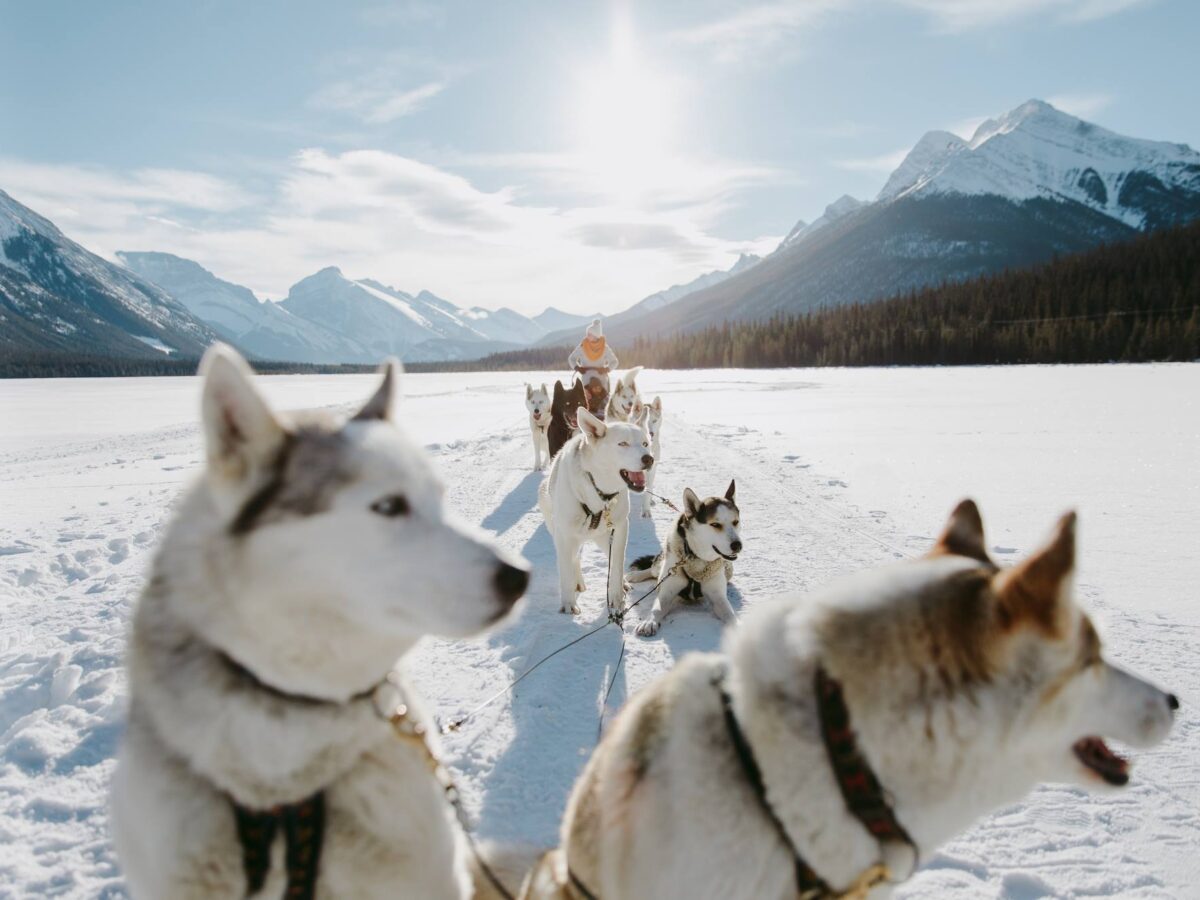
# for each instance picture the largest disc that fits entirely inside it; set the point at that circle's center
(836, 469)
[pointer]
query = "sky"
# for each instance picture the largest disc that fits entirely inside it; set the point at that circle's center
(530, 154)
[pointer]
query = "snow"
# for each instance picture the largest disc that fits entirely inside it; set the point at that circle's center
(156, 344)
(836, 470)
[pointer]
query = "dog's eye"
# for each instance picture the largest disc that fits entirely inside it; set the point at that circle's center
(623, 444)
(716, 525)
(391, 506)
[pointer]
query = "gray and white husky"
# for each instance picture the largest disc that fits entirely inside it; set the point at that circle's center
(697, 559)
(537, 401)
(653, 425)
(309, 556)
(846, 735)
(625, 403)
(585, 497)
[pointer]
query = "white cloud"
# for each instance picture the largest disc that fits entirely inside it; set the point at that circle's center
(376, 103)
(403, 221)
(1083, 106)
(963, 15)
(884, 164)
(750, 32)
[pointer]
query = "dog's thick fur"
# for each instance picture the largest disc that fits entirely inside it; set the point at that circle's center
(699, 552)
(310, 555)
(654, 418)
(537, 401)
(564, 415)
(625, 403)
(603, 459)
(966, 685)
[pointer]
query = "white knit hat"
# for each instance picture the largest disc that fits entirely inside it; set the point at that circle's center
(595, 330)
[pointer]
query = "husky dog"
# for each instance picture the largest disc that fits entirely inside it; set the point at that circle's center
(586, 498)
(309, 556)
(564, 411)
(538, 403)
(625, 403)
(654, 429)
(849, 734)
(697, 561)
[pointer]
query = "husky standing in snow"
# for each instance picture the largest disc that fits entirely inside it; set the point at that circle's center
(653, 425)
(625, 403)
(273, 746)
(585, 497)
(847, 735)
(537, 401)
(697, 562)
(564, 415)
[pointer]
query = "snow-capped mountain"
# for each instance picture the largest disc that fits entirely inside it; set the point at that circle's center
(1038, 151)
(551, 319)
(1028, 185)
(838, 209)
(264, 330)
(57, 296)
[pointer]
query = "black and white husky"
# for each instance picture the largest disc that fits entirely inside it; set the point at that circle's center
(537, 401)
(697, 560)
(585, 497)
(653, 423)
(267, 752)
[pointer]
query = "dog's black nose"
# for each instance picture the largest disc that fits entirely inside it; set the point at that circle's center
(736, 546)
(510, 582)
(647, 461)
(1173, 702)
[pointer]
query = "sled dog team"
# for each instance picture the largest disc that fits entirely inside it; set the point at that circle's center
(274, 747)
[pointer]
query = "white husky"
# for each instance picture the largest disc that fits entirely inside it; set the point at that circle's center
(625, 403)
(259, 755)
(537, 401)
(843, 737)
(697, 559)
(585, 497)
(654, 417)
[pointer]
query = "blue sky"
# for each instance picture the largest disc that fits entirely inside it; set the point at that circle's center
(577, 154)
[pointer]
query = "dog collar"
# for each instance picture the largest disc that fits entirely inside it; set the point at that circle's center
(605, 499)
(248, 677)
(861, 791)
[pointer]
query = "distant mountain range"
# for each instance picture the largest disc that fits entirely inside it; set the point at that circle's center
(1027, 186)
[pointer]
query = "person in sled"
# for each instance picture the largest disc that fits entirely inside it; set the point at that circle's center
(593, 359)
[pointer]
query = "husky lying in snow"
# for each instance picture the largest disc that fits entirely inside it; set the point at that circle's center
(537, 401)
(698, 558)
(654, 429)
(310, 555)
(564, 412)
(625, 403)
(585, 497)
(843, 737)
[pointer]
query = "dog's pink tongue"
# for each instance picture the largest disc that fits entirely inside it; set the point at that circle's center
(637, 478)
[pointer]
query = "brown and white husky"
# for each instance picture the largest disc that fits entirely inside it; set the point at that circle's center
(938, 689)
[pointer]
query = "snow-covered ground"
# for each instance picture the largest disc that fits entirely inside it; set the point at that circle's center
(836, 470)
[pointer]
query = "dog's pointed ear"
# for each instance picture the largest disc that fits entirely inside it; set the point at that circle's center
(240, 430)
(558, 391)
(528, 390)
(657, 404)
(731, 490)
(544, 391)
(643, 416)
(1038, 590)
(963, 534)
(593, 429)
(383, 401)
(632, 374)
(691, 503)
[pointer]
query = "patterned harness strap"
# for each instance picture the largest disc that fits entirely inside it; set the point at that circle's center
(303, 826)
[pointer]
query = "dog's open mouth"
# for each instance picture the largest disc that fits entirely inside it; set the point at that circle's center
(536, 416)
(635, 480)
(725, 555)
(1096, 756)
(572, 420)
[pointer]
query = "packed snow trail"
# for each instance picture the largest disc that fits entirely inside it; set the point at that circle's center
(88, 474)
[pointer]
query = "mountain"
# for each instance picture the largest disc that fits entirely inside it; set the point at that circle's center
(551, 319)
(56, 296)
(655, 301)
(1030, 185)
(263, 329)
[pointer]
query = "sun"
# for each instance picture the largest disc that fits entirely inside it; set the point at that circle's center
(625, 120)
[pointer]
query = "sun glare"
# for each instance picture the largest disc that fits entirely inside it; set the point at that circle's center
(625, 118)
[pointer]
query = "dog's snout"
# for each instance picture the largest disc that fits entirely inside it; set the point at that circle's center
(736, 546)
(1172, 702)
(647, 460)
(510, 582)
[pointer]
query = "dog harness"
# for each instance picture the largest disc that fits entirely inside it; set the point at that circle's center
(606, 499)
(695, 570)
